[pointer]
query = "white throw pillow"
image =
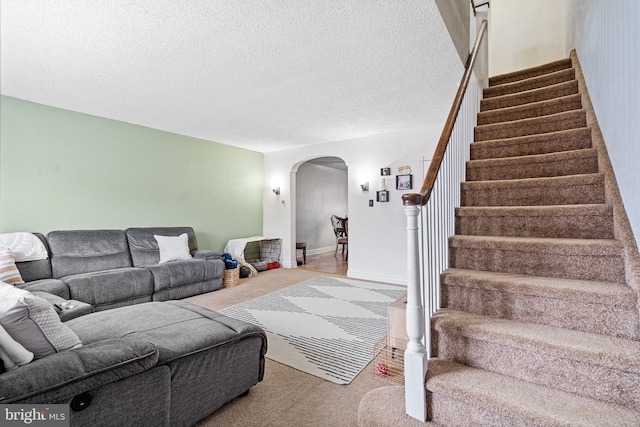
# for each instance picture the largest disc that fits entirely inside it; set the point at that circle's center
(34, 323)
(24, 246)
(12, 353)
(173, 248)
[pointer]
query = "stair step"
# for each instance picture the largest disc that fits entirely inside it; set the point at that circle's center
(528, 73)
(564, 221)
(565, 190)
(537, 125)
(566, 140)
(535, 82)
(464, 396)
(528, 111)
(533, 95)
(599, 260)
(575, 162)
(571, 361)
(596, 307)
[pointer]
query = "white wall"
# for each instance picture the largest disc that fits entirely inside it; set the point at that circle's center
(525, 33)
(321, 191)
(377, 235)
(606, 37)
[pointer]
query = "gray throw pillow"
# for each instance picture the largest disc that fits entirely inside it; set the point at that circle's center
(34, 323)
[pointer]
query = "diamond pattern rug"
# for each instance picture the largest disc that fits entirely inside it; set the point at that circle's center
(324, 326)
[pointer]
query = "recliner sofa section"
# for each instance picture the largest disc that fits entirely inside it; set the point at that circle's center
(114, 268)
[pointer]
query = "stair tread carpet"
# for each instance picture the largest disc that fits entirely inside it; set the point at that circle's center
(535, 82)
(565, 140)
(563, 190)
(610, 294)
(495, 399)
(582, 305)
(529, 96)
(594, 349)
(571, 247)
(581, 259)
(561, 64)
(561, 221)
(530, 110)
(545, 124)
(572, 162)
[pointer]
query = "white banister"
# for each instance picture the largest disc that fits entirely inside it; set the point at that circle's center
(415, 357)
(427, 246)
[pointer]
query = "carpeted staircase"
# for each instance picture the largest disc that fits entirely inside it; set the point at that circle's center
(540, 324)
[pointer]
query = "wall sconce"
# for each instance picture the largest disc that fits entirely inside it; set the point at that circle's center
(276, 190)
(365, 186)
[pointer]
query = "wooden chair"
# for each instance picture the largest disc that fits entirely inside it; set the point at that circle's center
(340, 226)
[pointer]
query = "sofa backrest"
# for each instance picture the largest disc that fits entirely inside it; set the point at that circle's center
(38, 269)
(144, 247)
(85, 251)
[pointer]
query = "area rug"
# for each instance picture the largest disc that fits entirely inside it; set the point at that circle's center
(325, 326)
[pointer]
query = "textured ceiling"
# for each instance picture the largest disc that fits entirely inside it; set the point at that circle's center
(259, 74)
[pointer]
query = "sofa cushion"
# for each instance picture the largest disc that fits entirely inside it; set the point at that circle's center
(177, 328)
(85, 251)
(110, 286)
(33, 322)
(179, 273)
(173, 248)
(144, 247)
(52, 286)
(63, 375)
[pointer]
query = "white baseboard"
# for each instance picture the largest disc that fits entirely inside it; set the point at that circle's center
(363, 275)
(317, 251)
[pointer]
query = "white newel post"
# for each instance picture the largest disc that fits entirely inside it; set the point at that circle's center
(415, 357)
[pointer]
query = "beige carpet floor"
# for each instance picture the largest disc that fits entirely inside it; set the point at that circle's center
(286, 396)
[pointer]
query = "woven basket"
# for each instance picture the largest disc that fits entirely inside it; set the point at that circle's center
(231, 277)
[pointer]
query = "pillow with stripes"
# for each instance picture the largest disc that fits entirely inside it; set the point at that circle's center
(9, 273)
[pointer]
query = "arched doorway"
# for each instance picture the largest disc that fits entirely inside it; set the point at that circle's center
(321, 191)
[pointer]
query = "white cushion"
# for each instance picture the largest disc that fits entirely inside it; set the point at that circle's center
(12, 353)
(33, 322)
(9, 273)
(173, 248)
(24, 246)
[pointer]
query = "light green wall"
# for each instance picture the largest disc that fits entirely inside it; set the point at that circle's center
(65, 170)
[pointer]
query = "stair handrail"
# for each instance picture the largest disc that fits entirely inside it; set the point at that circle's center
(421, 199)
(416, 354)
(475, 7)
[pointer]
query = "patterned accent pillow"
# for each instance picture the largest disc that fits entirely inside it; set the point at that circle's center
(9, 273)
(34, 323)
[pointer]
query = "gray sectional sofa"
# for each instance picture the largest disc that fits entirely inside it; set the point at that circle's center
(114, 268)
(145, 360)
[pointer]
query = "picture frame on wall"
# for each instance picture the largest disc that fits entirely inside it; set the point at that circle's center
(382, 196)
(404, 182)
(385, 171)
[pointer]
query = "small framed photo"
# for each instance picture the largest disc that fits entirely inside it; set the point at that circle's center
(404, 182)
(385, 171)
(382, 196)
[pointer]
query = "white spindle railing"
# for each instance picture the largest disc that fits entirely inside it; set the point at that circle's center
(434, 209)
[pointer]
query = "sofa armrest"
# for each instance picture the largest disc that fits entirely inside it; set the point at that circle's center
(63, 375)
(67, 309)
(205, 254)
